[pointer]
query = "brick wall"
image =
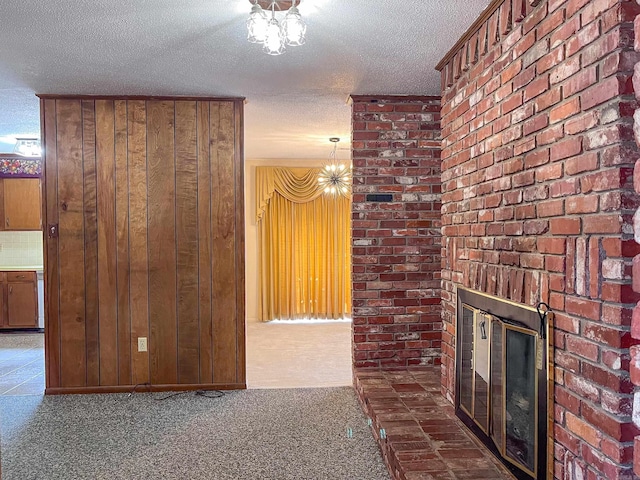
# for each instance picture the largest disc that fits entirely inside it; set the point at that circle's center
(396, 244)
(635, 319)
(538, 200)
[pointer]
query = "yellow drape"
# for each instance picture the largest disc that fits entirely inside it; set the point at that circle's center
(304, 246)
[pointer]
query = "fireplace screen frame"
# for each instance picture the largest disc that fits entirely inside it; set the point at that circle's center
(522, 319)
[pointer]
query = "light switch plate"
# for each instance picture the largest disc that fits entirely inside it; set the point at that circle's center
(142, 344)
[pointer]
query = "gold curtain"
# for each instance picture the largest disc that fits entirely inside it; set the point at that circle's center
(304, 246)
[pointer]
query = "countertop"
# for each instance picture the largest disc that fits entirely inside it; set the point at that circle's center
(23, 268)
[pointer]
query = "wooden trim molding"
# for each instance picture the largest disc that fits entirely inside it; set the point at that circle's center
(475, 26)
(180, 387)
(497, 22)
(172, 98)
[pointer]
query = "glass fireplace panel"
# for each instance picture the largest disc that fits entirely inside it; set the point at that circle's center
(521, 397)
(466, 344)
(497, 401)
(481, 371)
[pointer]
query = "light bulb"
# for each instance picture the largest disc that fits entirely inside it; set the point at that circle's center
(257, 25)
(294, 27)
(274, 41)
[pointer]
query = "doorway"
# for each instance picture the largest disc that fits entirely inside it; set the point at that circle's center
(21, 276)
(304, 353)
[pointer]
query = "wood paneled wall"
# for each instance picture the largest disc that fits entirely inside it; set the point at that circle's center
(145, 198)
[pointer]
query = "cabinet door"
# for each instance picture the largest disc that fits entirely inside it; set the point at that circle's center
(22, 204)
(22, 305)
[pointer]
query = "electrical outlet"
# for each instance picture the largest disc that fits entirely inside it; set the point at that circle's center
(142, 344)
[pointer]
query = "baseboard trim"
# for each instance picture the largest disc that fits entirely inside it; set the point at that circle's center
(178, 387)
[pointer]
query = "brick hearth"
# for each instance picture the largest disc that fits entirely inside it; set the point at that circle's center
(424, 439)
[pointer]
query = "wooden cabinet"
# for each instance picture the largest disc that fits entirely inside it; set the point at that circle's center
(18, 300)
(21, 204)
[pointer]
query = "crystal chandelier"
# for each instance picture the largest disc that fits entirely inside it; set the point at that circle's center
(273, 35)
(335, 177)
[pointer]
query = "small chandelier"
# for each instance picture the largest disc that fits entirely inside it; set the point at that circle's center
(273, 35)
(335, 177)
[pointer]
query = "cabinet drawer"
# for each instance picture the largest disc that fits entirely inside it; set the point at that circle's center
(21, 276)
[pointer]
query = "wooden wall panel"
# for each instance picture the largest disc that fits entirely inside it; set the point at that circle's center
(148, 202)
(187, 242)
(223, 202)
(139, 273)
(73, 360)
(49, 134)
(122, 243)
(204, 243)
(240, 310)
(163, 341)
(90, 241)
(107, 295)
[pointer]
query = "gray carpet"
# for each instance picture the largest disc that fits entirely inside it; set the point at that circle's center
(296, 434)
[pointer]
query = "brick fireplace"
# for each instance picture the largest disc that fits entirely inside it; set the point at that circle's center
(537, 205)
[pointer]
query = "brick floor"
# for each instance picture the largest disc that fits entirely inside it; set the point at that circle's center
(422, 439)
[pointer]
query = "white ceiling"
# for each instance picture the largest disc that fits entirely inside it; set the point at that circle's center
(295, 102)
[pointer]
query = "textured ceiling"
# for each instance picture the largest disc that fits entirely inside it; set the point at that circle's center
(295, 102)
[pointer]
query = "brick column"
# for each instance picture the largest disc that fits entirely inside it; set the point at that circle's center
(396, 240)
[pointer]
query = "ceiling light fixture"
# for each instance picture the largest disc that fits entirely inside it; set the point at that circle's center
(273, 35)
(335, 177)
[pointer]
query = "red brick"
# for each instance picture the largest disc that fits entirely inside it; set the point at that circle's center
(635, 322)
(583, 430)
(564, 226)
(634, 367)
(536, 87)
(581, 123)
(567, 148)
(600, 93)
(550, 135)
(549, 172)
(564, 110)
(636, 455)
(602, 224)
(549, 98)
(583, 307)
(583, 204)
(583, 348)
(582, 163)
(617, 428)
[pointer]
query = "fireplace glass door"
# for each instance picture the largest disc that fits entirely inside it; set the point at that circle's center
(520, 397)
(475, 354)
(501, 368)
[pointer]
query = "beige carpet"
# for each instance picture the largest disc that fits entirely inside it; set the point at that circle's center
(297, 355)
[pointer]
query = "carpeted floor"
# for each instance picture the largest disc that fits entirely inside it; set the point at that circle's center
(296, 434)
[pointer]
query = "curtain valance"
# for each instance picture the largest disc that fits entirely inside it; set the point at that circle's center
(298, 185)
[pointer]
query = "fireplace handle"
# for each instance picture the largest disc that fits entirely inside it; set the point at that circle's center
(483, 330)
(543, 318)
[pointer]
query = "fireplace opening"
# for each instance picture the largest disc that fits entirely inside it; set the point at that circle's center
(503, 378)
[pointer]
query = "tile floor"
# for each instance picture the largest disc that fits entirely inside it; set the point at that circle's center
(21, 364)
(423, 439)
(279, 355)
